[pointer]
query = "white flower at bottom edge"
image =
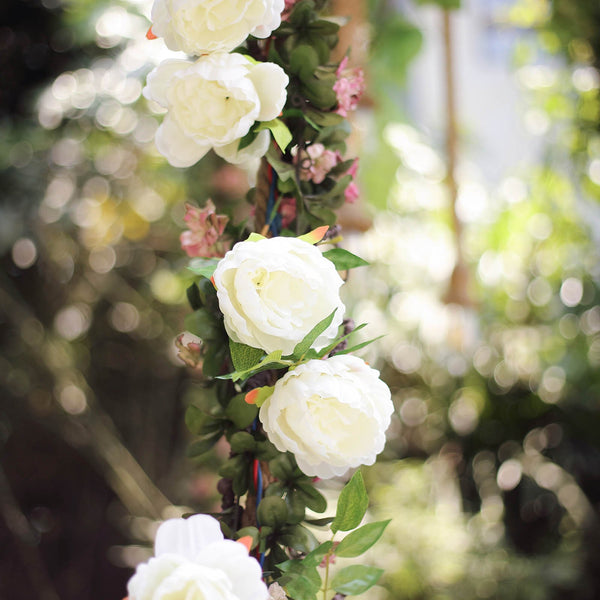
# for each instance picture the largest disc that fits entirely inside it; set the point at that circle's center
(213, 103)
(194, 562)
(331, 414)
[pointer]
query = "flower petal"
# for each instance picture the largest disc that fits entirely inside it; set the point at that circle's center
(176, 147)
(187, 537)
(254, 150)
(159, 79)
(270, 82)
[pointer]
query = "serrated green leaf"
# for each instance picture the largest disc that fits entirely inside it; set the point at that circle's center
(355, 579)
(302, 347)
(343, 260)
(360, 540)
(271, 361)
(243, 356)
(203, 266)
(352, 504)
(312, 497)
(240, 412)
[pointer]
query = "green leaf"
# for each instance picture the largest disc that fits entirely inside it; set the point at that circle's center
(323, 352)
(315, 557)
(301, 588)
(202, 446)
(280, 131)
(352, 504)
(320, 522)
(272, 511)
(297, 537)
(266, 451)
(312, 497)
(201, 423)
(250, 531)
(355, 579)
(361, 345)
(283, 467)
(233, 467)
(203, 324)
(242, 441)
(309, 339)
(247, 140)
(343, 260)
(244, 357)
(255, 237)
(193, 296)
(203, 266)
(258, 396)
(296, 507)
(360, 540)
(240, 412)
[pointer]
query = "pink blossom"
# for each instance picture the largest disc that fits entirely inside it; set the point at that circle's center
(190, 353)
(352, 192)
(348, 88)
(205, 230)
(316, 162)
(287, 210)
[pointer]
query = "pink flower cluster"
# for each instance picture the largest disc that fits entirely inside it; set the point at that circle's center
(205, 230)
(316, 162)
(348, 88)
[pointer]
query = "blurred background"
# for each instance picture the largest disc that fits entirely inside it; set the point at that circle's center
(479, 213)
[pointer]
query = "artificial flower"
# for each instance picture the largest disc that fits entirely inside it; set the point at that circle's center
(272, 292)
(348, 88)
(331, 414)
(203, 238)
(193, 561)
(204, 26)
(213, 103)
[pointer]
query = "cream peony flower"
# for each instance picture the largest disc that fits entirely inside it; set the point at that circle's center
(274, 291)
(204, 26)
(331, 414)
(193, 562)
(213, 103)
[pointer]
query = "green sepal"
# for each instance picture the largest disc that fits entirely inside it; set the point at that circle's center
(203, 266)
(355, 579)
(281, 134)
(352, 504)
(344, 260)
(255, 237)
(361, 539)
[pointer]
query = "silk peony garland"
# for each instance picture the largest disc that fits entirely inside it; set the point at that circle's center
(272, 340)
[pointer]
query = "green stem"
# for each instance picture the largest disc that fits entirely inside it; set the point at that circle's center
(326, 582)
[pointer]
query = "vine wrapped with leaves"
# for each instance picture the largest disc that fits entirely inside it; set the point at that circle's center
(273, 352)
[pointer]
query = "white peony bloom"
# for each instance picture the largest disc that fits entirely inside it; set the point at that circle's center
(193, 562)
(213, 103)
(273, 292)
(205, 26)
(331, 414)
